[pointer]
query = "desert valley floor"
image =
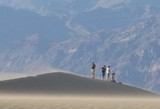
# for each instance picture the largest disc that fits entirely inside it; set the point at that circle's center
(66, 102)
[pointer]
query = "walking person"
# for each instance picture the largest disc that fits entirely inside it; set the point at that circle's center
(93, 70)
(103, 72)
(108, 73)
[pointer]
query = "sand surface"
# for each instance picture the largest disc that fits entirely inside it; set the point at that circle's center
(64, 83)
(74, 92)
(76, 102)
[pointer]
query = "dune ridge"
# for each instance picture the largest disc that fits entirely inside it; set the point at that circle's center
(69, 84)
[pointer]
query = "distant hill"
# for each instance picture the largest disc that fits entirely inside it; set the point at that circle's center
(64, 83)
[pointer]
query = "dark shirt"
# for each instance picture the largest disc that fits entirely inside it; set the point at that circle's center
(103, 69)
(93, 66)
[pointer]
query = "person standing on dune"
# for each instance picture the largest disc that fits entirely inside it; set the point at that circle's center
(93, 70)
(103, 72)
(108, 73)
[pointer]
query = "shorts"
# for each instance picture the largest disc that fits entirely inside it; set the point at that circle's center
(108, 74)
(93, 71)
(103, 74)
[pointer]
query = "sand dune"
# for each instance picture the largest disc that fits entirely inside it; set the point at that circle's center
(65, 84)
(68, 91)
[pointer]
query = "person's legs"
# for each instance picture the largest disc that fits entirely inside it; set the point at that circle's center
(107, 77)
(103, 75)
(93, 73)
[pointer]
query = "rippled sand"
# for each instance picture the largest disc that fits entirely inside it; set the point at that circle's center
(72, 102)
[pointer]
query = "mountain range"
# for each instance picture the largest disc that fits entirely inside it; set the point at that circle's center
(38, 36)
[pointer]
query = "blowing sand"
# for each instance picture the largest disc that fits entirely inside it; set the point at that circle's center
(77, 102)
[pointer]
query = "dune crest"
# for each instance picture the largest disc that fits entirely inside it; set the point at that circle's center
(66, 84)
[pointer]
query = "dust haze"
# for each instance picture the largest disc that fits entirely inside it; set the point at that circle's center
(15, 75)
(76, 102)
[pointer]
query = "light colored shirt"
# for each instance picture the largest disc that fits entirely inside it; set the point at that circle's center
(108, 70)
